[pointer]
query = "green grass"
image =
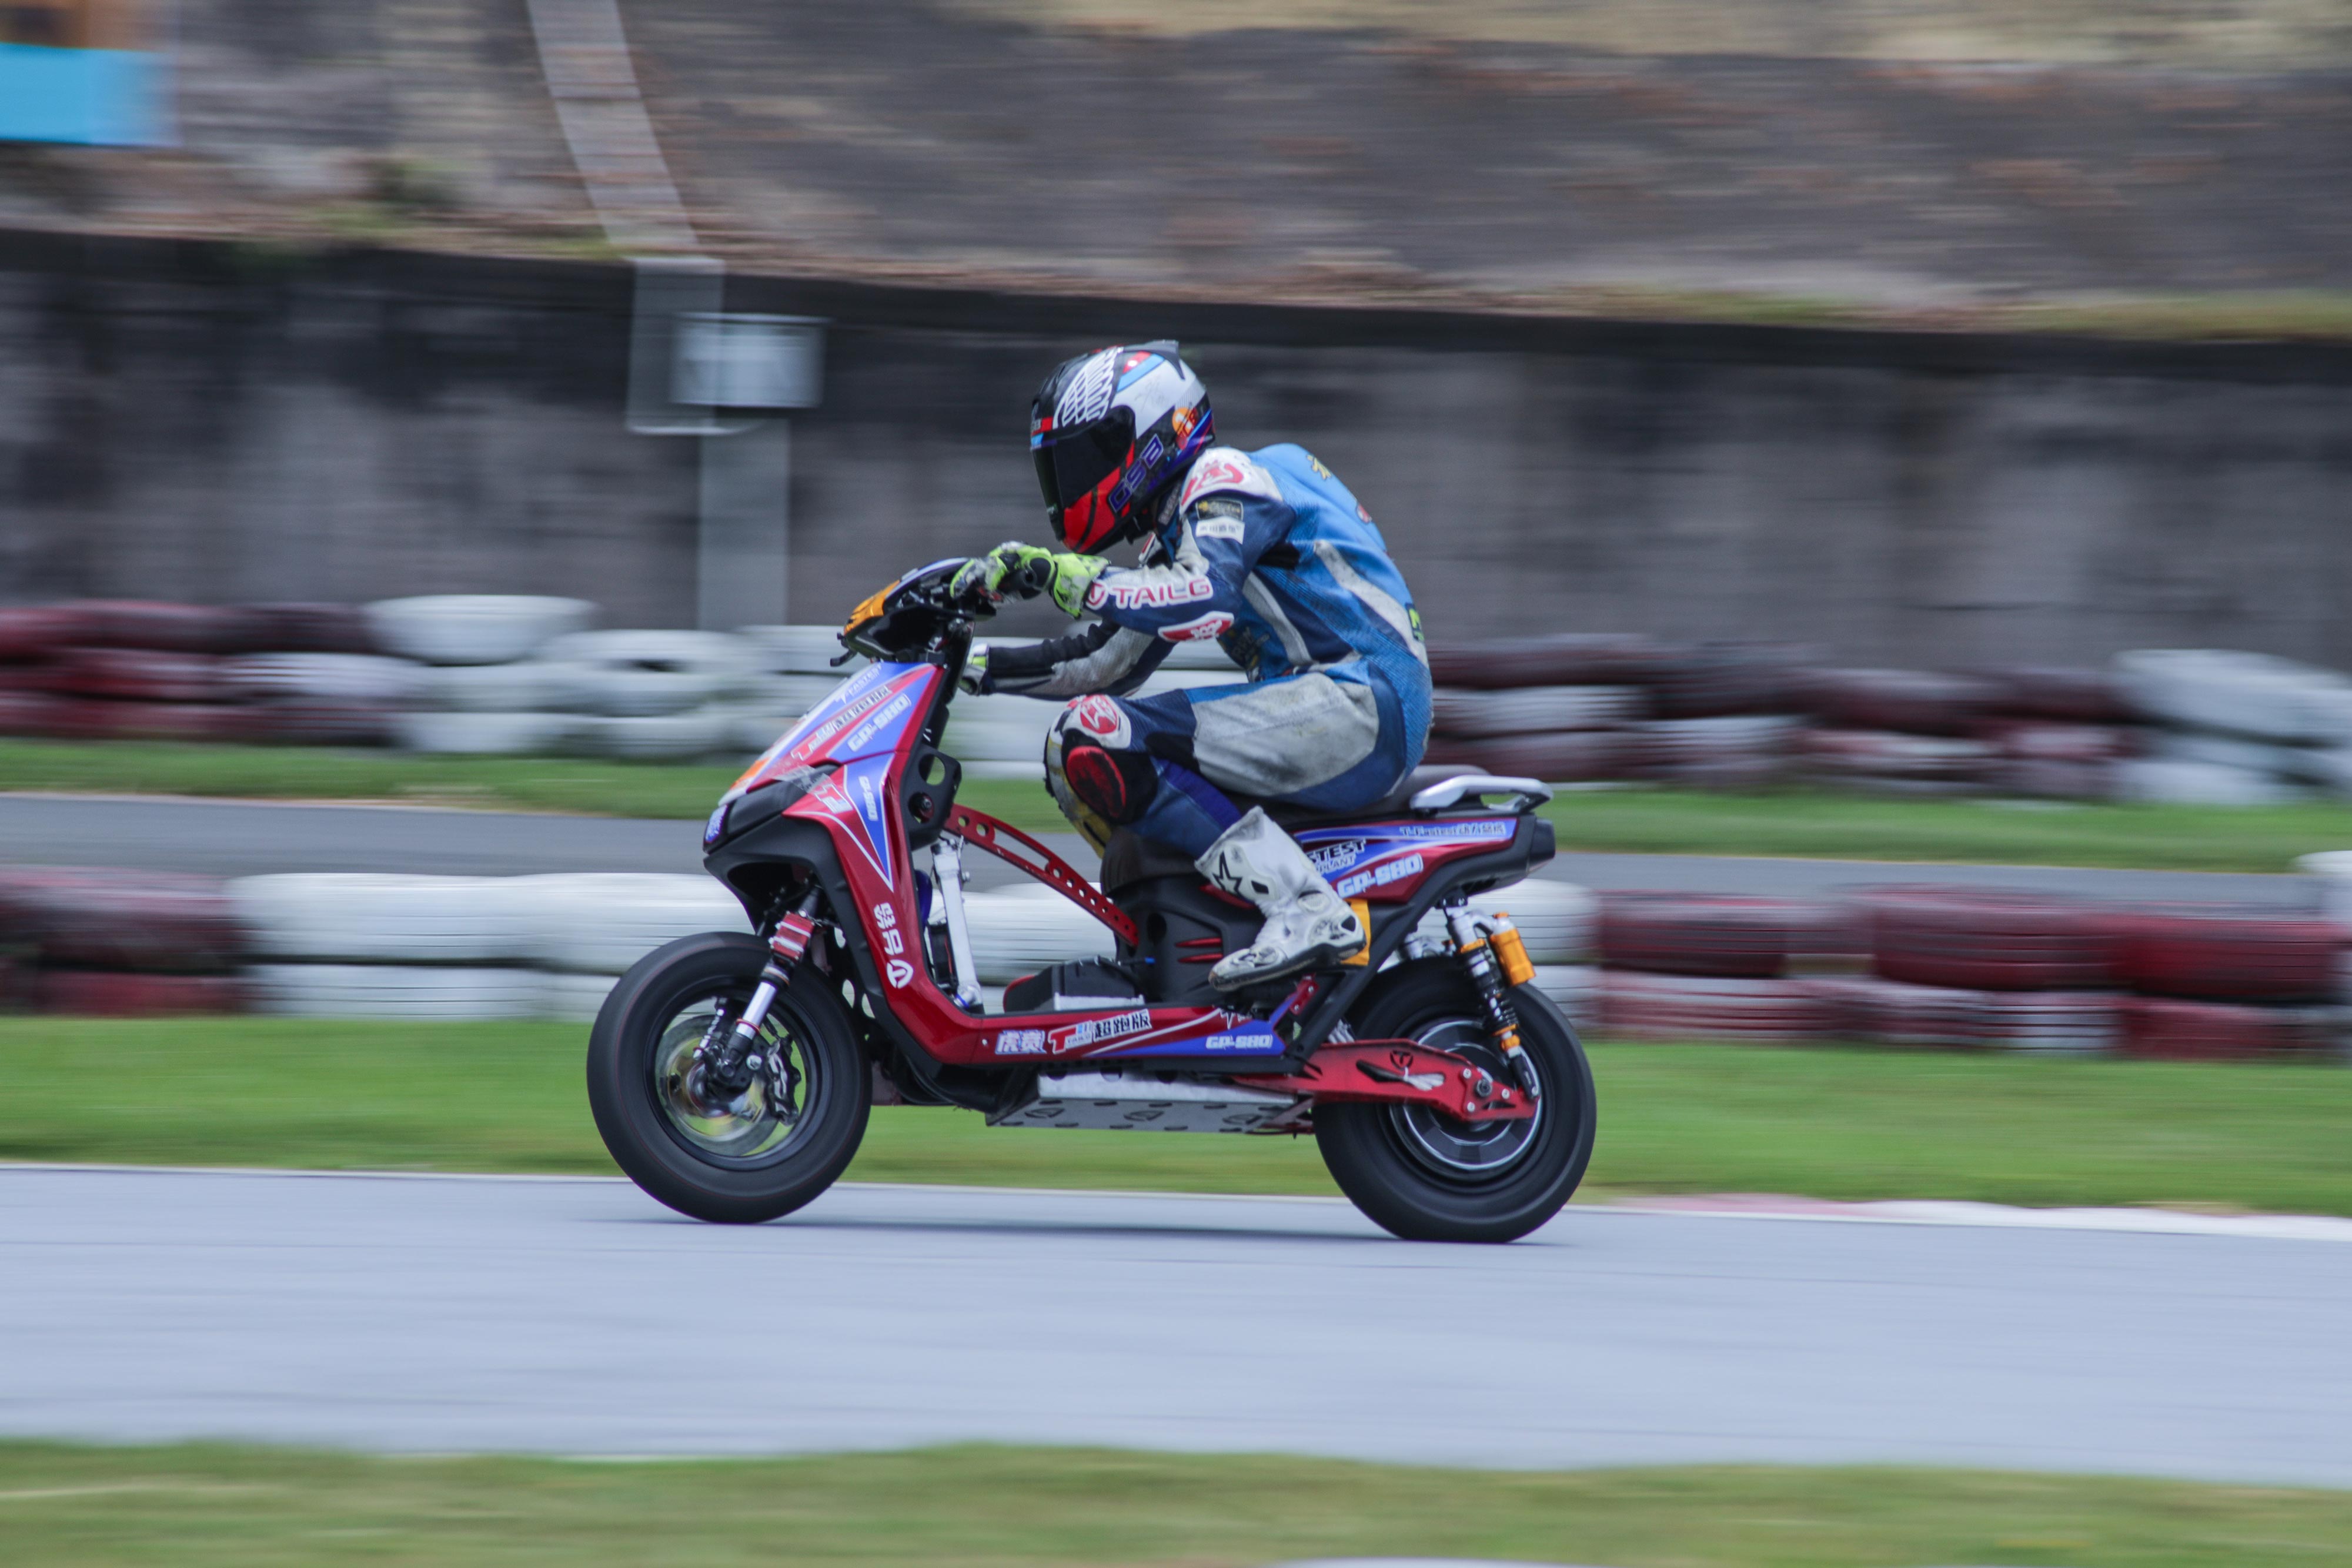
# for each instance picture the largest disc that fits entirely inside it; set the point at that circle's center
(984, 1506)
(1673, 1119)
(685, 791)
(1659, 821)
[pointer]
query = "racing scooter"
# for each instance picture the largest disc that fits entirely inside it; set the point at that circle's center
(731, 1074)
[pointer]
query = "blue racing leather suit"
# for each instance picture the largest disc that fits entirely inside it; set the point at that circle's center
(1268, 553)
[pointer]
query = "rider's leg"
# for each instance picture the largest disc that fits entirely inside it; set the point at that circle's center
(1156, 764)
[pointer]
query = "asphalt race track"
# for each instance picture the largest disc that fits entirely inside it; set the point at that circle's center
(574, 1315)
(236, 837)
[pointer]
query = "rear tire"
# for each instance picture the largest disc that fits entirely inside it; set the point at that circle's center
(1427, 1177)
(751, 1160)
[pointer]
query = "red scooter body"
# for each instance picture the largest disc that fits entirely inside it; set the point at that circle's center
(863, 741)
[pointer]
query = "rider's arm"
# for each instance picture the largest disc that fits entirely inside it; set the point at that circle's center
(1100, 657)
(1230, 514)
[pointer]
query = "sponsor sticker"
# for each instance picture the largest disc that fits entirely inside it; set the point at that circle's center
(898, 972)
(867, 732)
(1150, 595)
(1199, 628)
(1096, 1031)
(1380, 875)
(1335, 857)
(1218, 529)
(1021, 1042)
(1098, 715)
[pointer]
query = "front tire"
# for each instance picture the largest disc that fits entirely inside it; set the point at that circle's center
(1428, 1177)
(752, 1157)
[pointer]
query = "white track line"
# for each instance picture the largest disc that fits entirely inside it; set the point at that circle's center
(1915, 1212)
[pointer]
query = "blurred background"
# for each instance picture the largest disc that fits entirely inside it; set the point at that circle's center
(1889, 462)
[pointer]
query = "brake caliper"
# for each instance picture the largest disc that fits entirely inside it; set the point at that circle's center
(1495, 959)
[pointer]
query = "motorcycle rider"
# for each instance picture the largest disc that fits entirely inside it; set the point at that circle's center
(1268, 553)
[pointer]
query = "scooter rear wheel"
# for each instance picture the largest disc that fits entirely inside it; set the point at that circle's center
(1429, 1177)
(739, 1158)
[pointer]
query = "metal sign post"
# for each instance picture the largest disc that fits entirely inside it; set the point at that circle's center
(696, 370)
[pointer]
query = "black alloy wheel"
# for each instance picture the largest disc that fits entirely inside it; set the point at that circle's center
(1427, 1176)
(734, 1152)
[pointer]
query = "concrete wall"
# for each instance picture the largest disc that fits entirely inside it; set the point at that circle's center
(215, 422)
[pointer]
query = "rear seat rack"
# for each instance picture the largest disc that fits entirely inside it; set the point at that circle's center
(1525, 794)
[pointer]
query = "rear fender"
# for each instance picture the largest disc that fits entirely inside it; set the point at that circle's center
(1529, 847)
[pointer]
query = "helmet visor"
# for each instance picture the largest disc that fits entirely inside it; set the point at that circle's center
(1073, 465)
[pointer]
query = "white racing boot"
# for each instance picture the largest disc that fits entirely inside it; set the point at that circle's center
(1307, 923)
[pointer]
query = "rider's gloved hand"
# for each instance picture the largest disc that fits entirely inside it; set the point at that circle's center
(1027, 570)
(974, 678)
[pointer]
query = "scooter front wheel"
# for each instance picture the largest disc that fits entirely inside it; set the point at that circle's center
(734, 1155)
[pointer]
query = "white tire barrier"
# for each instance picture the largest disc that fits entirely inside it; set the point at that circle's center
(572, 998)
(798, 650)
(367, 918)
(388, 991)
(2252, 694)
(1558, 921)
(1019, 931)
(473, 628)
(2233, 751)
(326, 677)
(648, 674)
(485, 734)
(1000, 730)
(1532, 710)
(530, 687)
(2157, 781)
(1576, 988)
(2334, 870)
(600, 922)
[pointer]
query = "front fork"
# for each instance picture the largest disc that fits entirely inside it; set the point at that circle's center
(727, 1054)
(1492, 955)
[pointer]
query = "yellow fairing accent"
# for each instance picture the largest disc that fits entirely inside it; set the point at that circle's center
(869, 608)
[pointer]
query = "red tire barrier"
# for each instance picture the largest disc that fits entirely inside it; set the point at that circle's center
(1991, 941)
(2065, 695)
(1570, 659)
(122, 920)
(71, 719)
(2054, 780)
(2231, 952)
(28, 712)
(1725, 937)
(101, 994)
(30, 632)
(1892, 1012)
(1867, 755)
(2163, 1030)
(1915, 702)
(296, 628)
(137, 675)
(305, 722)
(159, 626)
(2032, 741)
(1635, 1006)
(1555, 759)
(1719, 679)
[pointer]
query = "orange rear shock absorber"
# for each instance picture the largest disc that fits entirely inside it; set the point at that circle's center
(1495, 959)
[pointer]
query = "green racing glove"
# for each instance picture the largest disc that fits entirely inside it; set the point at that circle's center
(1027, 570)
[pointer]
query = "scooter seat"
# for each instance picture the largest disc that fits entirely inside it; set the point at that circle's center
(1392, 804)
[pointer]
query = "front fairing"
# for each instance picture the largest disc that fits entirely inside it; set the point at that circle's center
(858, 728)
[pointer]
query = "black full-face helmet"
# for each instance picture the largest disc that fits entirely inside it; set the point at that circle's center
(1109, 431)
